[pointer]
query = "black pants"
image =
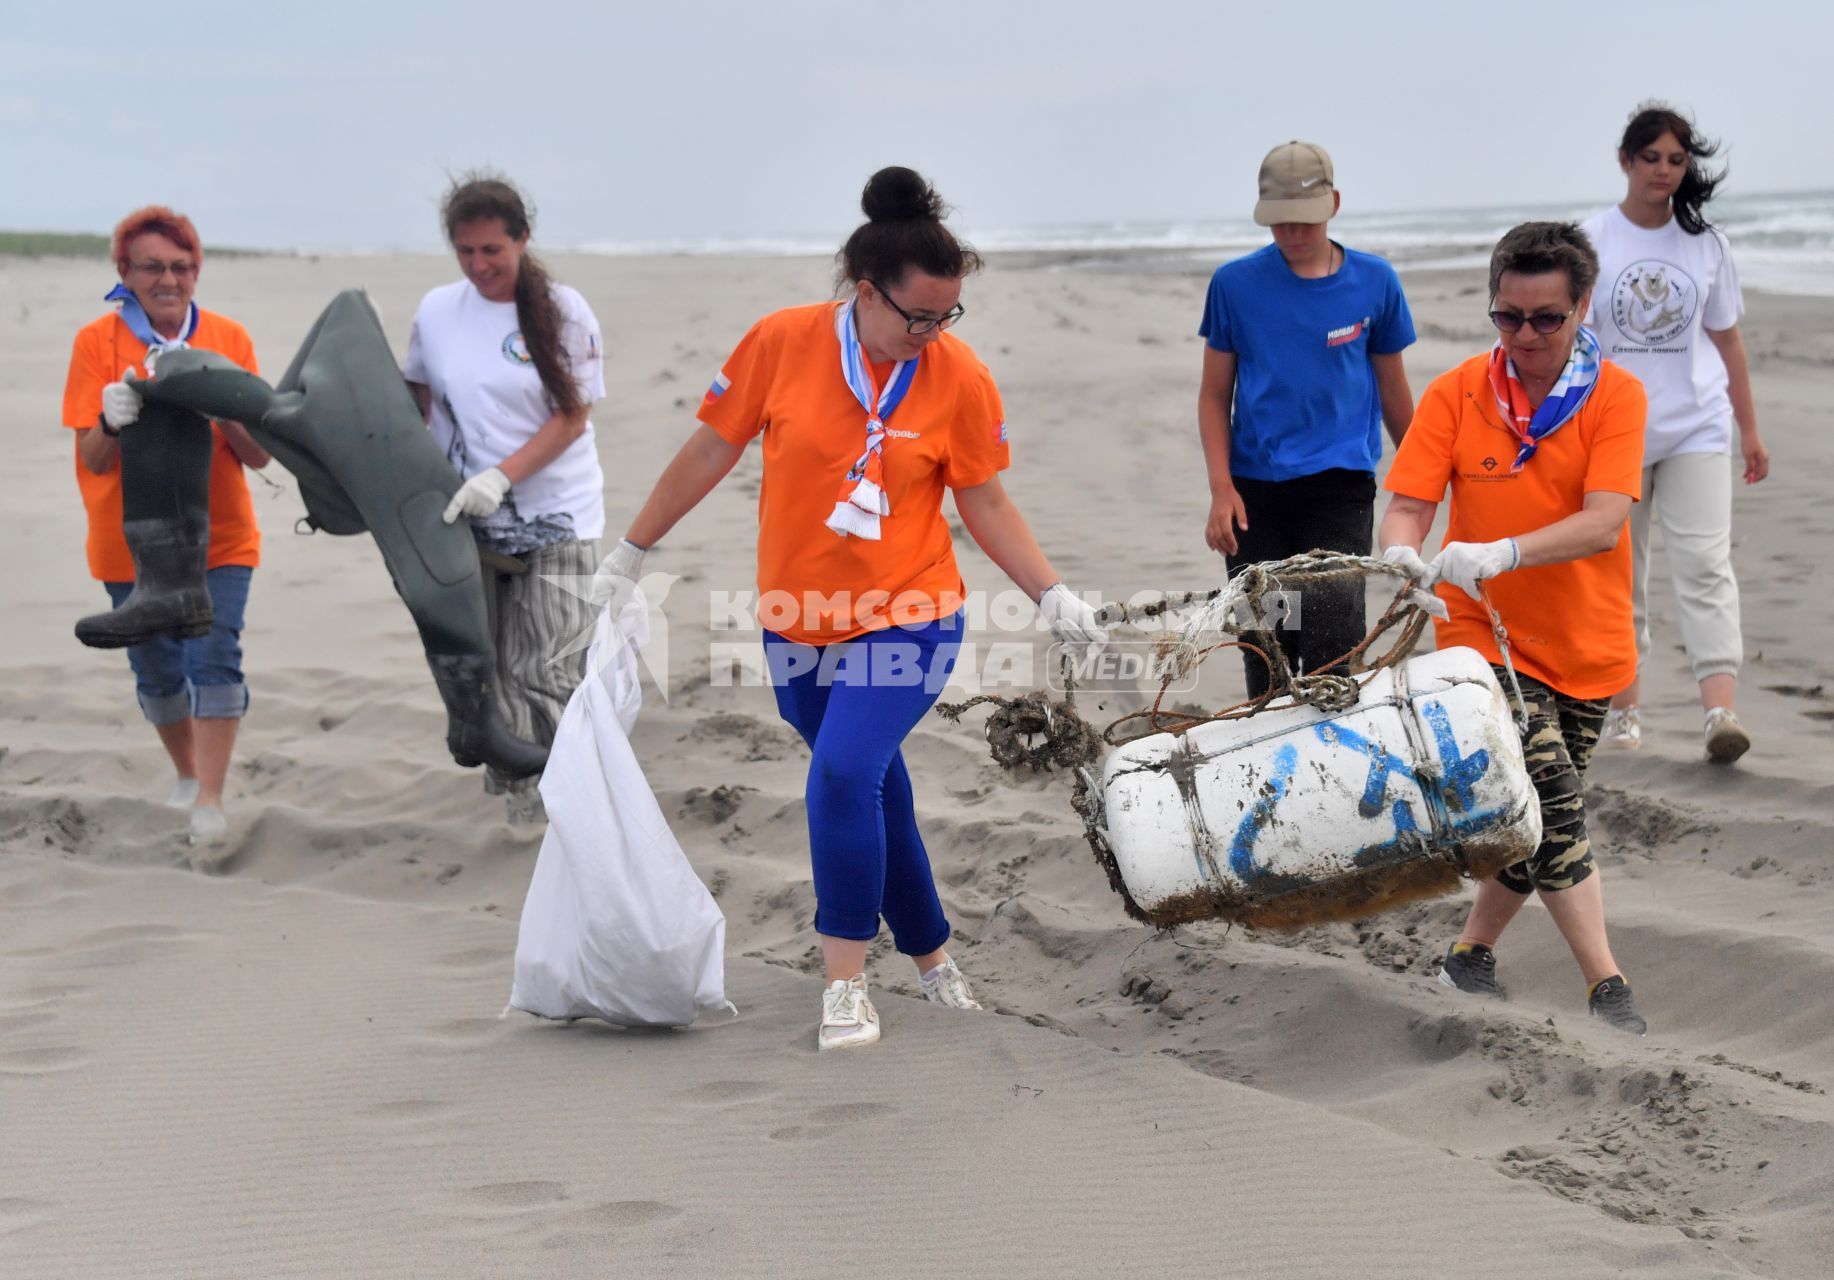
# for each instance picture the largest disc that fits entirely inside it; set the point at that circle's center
(1329, 511)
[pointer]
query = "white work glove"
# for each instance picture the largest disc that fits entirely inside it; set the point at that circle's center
(120, 403)
(1072, 621)
(1466, 564)
(615, 584)
(1408, 560)
(479, 496)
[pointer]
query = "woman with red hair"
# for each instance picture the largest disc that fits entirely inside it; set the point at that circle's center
(191, 690)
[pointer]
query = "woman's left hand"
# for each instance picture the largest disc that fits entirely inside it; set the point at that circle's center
(479, 496)
(1757, 457)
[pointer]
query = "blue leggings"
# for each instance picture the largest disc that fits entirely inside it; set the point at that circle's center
(853, 703)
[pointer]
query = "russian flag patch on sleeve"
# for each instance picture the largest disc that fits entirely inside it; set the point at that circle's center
(999, 433)
(718, 389)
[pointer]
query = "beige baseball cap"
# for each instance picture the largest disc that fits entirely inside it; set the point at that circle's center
(1296, 185)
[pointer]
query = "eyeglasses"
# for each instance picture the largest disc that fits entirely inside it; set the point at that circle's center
(179, 270)
(1541, 321)
(920, 324)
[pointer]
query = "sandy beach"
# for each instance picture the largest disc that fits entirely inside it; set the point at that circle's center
(289, 1062)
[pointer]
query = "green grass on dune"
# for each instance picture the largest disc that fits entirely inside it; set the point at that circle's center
(83, 244)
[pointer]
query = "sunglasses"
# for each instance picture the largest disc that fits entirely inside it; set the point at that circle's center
(1540, 322)
(157, 270)
(920, 324)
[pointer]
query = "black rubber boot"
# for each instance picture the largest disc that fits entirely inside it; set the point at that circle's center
(475, 732)
(165, 510)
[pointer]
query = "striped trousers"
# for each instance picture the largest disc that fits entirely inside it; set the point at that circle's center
(532, 620)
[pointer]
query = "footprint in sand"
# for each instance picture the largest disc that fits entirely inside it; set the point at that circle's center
(512, 1196)
(41, 1061)
(17, 1213)
(473, 958)
(720, 1093)
(824, 1121)
(464, 1031)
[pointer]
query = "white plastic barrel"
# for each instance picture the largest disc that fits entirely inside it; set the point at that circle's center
(1295, 815)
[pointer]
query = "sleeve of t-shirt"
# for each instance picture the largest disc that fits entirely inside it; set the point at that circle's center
(88, 375)
(1394, 324)
(1215, 328)
(977, 441)
(1423, 464)
(581, 340)
(244, 354)
(1614, 464)
(414, 368)
(734, 405)
(1725, 304)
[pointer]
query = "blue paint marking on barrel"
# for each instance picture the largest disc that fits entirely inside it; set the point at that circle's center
(1462, 772)
(1242, 848)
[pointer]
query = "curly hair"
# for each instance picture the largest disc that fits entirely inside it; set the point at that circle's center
(475, 197)
(174, 226)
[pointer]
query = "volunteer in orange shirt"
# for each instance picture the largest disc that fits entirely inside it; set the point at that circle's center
(868, 412)
(1541, 445)
(191, 690)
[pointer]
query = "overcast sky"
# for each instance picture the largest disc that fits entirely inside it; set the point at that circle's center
(333, 124)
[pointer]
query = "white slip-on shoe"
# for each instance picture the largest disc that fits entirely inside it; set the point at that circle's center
(1726, 738)
(1623, 729)
(208, 825)
(184, 794)
(945, 985)
(848, 1020)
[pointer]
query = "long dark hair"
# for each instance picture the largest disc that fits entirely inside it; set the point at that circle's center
(1650, 121)
(903, 229)
(477, 196)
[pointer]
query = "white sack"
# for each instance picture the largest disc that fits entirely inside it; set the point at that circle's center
(616, 924)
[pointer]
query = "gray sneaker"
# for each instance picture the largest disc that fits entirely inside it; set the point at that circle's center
(1610, 1000)
(1473, 972)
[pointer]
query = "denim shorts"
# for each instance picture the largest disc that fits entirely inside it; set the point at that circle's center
(179, 679)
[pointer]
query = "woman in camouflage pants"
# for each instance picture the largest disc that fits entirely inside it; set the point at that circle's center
(1539, 443)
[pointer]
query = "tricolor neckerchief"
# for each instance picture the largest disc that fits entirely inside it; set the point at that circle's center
(1563, 400)
(862, 499)
(134, 316)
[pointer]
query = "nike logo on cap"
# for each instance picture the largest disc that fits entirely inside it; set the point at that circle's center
(1310, 182)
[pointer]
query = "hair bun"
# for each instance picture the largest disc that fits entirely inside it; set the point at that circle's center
(896, 193)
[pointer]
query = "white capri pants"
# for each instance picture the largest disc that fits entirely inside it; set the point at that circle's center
(1691, 495)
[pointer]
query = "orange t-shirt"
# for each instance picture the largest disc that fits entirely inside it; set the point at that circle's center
(1569, 624)
(103, 349)
(784, 380)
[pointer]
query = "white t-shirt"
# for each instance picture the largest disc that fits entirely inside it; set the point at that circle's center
(488, 400)
(1656, 290)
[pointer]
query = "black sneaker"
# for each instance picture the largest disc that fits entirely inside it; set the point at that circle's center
(1611, 1001)
(1473, 972)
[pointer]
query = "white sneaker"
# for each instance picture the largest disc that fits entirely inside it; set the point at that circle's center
(208, 825)
(848, 1020)
(1623, 729)
(184, 794)
(1725, 737)
(945, 985)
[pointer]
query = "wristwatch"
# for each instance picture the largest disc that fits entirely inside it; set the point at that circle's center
(112, 432)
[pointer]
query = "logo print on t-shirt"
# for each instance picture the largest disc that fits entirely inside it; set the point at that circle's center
(1348, 333)
(515, 350)
(1489, 464)
(1653, 302)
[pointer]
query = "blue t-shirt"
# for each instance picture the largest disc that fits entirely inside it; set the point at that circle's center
(1305, 391)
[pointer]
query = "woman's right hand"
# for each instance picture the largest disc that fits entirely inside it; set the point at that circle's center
(1227, 514)
(120, 403)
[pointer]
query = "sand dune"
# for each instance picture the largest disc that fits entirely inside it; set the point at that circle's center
(294, 1065)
